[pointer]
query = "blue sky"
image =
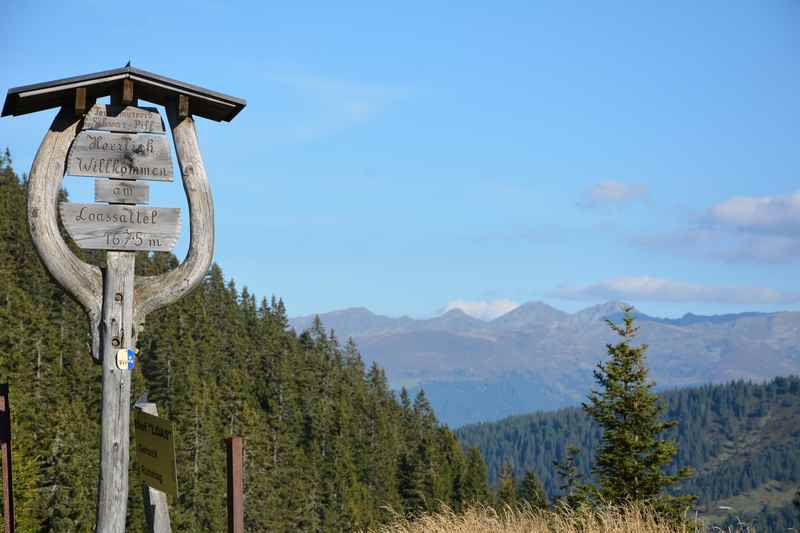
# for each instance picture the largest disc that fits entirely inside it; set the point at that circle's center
(427, 155)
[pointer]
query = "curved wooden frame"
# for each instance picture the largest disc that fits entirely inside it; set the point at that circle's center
(85, 282)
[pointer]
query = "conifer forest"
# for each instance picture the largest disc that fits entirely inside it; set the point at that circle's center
(329, 445)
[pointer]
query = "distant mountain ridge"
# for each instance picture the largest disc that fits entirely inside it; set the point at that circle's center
(543, 357)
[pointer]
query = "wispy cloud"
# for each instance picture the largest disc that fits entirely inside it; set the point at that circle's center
(613, 193)
(485, 310)
(652, 289)
(777, 215)
(761, 229)
(330, 105)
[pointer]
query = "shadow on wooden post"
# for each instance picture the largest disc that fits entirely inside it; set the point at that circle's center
(5, 444)
(235, 485)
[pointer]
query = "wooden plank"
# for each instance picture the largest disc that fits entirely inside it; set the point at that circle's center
(123, 119)
(183, 106)
(127, 92)
(143, 156)
(121, 227)
(80, 100)
(121, 192)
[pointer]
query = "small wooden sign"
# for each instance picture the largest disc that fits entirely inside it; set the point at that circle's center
(155, 452)
(137, 156)
(123, 118)
(122, 227)
(121, 192)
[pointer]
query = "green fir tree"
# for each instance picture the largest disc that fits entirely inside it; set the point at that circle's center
(631, 462)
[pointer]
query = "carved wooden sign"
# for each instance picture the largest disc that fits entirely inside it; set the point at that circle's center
(123, 118)
(128, 143)
(122, 227)
(121, 192)
(143, 156)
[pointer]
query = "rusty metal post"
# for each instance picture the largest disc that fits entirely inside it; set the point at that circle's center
(235, 485)
(5, 449)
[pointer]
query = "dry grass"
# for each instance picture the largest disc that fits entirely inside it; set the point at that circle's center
(634, 519)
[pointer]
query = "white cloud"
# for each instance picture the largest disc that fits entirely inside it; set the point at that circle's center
(485, 310)
(769, 214)
(652, 289)
(612, 192)
(760, 229)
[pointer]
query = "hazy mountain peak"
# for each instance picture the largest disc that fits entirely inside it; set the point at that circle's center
(527, 314)
(602, 311)
(455, 312)
(352, 311)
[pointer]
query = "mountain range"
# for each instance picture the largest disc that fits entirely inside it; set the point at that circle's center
(537, 357)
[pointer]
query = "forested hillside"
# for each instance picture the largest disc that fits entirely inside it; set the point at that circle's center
(328, 447)
(742, 440)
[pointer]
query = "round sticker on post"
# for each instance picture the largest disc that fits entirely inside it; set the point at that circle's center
(126, 358)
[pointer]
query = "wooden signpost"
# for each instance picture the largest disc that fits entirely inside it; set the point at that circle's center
(127, 143)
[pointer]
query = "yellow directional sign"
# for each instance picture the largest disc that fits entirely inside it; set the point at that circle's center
(155, 452)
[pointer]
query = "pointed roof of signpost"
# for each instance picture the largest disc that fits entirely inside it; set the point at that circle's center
(147, 86)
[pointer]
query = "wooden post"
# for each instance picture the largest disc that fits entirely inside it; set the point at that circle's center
(235, 485)
(183, 106)
(80, 100)
(5, 449)
(116, 333)
(156, 510)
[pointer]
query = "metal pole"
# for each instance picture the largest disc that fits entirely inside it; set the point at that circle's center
(5, 449)
(235, 485)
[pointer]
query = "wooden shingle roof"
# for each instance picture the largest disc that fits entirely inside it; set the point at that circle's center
(147, 86)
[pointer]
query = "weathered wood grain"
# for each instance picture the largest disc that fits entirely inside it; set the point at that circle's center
(144, 156)
(117, 332)
(123, 119)
(121, 227)
(80, 100)
(154, 292)
(81, 280)
(121, 191)
(156, 510)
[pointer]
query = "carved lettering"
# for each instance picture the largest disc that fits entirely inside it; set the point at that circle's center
(128, 119)
(121, 155)
(121, 227)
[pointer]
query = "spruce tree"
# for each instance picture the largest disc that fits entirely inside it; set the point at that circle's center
(532, 492)
(507, 486)
(573, 493)
(475, 481)
(631, 460)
